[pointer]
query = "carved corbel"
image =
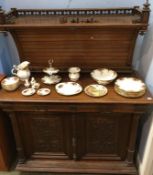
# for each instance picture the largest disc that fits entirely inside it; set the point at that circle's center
(146, 12)
(2, 16)
(145, 17)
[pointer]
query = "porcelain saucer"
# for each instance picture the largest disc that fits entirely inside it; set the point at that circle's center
(28, 92)
(43, 91)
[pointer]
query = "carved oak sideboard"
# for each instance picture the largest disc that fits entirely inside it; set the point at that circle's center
(76, 134)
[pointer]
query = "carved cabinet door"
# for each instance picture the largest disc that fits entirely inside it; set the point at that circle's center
(45, 135)
(102, 136)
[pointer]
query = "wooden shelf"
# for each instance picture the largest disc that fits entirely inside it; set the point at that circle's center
(111, 98)
(75, 17)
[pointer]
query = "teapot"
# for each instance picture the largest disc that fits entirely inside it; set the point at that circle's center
(22, 70)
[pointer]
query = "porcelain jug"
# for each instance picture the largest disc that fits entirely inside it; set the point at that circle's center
(22, 71)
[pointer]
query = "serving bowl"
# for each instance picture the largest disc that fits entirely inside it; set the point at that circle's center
(103, 76)
(10, 83)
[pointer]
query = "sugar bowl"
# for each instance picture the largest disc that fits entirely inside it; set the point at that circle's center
(74, 73)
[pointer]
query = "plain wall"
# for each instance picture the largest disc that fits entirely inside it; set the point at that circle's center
(145, 154)
(146, 55)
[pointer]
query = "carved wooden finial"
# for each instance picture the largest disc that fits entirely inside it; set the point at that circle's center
(145, 15)
(146, 6)
(2, 16)
(14, 11)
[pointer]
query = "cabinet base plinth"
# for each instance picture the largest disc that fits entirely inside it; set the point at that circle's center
(70, 166)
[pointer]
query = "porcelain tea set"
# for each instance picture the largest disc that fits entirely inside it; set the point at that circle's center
(126, 86)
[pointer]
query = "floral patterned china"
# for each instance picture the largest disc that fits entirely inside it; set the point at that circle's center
(54, 79)
(130, 87)
(10, 83)
(43, 91)
(103, 76)
(28, 91)
(68, 88)
(95, 90)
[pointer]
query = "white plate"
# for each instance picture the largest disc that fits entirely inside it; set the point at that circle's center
(43, 91)
(130, 84)
(96, 90)
(53, 79)
(28, 91)
(68, 88)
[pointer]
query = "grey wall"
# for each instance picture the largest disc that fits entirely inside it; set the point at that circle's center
(146, 55)
(145, 154)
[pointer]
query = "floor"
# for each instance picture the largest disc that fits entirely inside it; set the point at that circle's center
(19, 173)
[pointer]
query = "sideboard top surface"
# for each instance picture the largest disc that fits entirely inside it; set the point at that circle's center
(111, 98)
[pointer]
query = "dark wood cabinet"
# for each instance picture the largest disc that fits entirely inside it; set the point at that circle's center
(102, 136)
(79, 136)
(7, 145)
(48, 135)
(82, 137)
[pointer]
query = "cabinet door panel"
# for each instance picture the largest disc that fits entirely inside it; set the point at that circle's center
(46, 135)
(102, 136)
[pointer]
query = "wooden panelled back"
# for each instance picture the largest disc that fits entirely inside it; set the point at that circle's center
(87, 48)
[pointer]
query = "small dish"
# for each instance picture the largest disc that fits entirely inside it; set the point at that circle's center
(43, 91)
(28, 92)
(68, 88)
(103, 76)
(130, 87)
(54, 79)
(96, 90)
